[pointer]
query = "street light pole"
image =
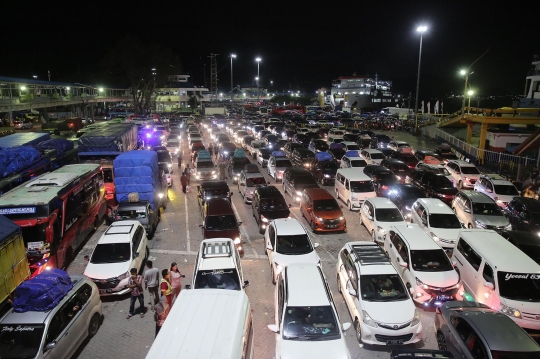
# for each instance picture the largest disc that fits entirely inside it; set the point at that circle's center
(466, 73)
(421, 30)
(233, 56)
(470, 93)
(258, 59)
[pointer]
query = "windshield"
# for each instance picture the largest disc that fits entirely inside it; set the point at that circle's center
(217, 279)
(220, 223)
(377, 156)
(506, 190)
(388, 215)
(519, 286)
(362, 186)
(217, 192)
(326, 205)
(440, 220)
(111, 253)
(470, 171)
(441, 182)
(265, 154)
(310, 323)
(433, 260)
(399, 167)
(412, 193)
(293, 245)
(205, 164)
(358, 163)
(382, 288)
(283, 163)
(252, 182)
(385, 176)
(20, 341)
(132, 213)
(353, 148)
(301, 180)
(273, 204)
(164, 157)
(486, 209)
(258, 144)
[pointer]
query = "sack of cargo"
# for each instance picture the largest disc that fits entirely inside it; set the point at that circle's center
(43, 292)
(133, 197)
(323, 156)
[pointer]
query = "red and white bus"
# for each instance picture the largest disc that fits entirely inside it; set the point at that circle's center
(56, 211)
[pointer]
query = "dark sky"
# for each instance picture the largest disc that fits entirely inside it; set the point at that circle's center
(303, 45)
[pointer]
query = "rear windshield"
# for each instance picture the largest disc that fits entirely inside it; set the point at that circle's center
(283, 163)
(132, 213)
(377, 156)
(358, 163)
(362, 186)
(19, 341)
(325, 205)
(218, 279)
(205, 164)
(388, 215)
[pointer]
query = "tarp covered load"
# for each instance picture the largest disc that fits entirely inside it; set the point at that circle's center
(137, 171)
(279, 154)
(59, 144)
(43, 292)
(352, 154)
(323, 156)
(112, 137)
(23, 139)
(239, 153)
(16, 159)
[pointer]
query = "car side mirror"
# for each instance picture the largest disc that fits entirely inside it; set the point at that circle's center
(256, 207)
(316, 244)
(246, 283)
(87, 257)
(489, 191)
(50, 346)
(489, 285)
(403, 264)
(188, 286)
(273, 328)
(466, 210)
(411, 290)
(463, 225)
(136, 255)
(346, 326)
(269, 247)
(352, 291)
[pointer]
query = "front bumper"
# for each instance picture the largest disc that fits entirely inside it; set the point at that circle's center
(330, 225)
(435, 297)
(385, 336)
(111, 286)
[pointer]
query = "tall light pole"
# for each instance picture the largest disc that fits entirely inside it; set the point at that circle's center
(233, 56)
(258, 59)
(421, 30)
(470, 93)
(467, 73)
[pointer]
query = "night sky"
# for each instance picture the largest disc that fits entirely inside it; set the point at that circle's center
(303, 45)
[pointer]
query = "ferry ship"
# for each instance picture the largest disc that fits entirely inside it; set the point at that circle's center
(362, 92)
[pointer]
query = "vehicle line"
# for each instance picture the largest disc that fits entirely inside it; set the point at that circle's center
(316, 237)
(190, 253)
(243, 232)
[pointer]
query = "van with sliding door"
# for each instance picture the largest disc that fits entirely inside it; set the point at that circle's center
(352, 186)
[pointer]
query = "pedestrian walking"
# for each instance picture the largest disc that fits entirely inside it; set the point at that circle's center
(184, 181)
(175, 276)
(165, 286)
(179, 160)
(151, 282)
(188, 173)
(161, 313)
(135, 283)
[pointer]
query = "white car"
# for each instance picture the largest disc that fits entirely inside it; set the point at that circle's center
(277, 163)
(287, 241)
(123, 246)
(306, 321)
(498, 188)
(336, 133)
(464, 174)
(435, 169)
(350, 161)
(396, 145)
(423, 265)
(218, 266)
(372, 156)
(302, 130)
(376, 297)
(378, 214)
(350, 146)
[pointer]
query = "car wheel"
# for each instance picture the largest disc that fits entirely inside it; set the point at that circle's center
(441, 341)
(470, 226)
(94, 325)
(460, 185)
(338, 284)
(358, 331)
(373, 236)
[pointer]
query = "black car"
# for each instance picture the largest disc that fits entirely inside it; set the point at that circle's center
(403, 196)
(387, 151)
(271, 141)
(446, 155)
(295, 180)
(382, 178)
(349, 137)
(380, 141)
(398, 167)
(280, 145)
(408, 158)
(290, 147)
(318, 146)
(435, 185)
(337, 154)
(226, 149)
(301, 139)
(288, 134)
(235, 166)
(268, 204)
(524, 214)
(212, 189)
(324, 171)
(302, 157)
(527, 242)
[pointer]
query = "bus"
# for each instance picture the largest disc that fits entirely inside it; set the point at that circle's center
(48, 162)
(56, 212)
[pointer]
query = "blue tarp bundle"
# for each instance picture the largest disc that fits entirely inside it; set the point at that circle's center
(43, 292)
(352, 154)
(278, 154)
(116, 137)
(16, 159)
(334, 146)
(323, 156)
(59, 144)
(23, 139)
(7, 228)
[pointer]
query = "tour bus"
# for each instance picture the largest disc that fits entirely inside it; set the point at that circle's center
(56, 211)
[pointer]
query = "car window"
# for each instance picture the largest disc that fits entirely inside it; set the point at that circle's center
(56, 326)
(403, 251)
(136, 240)
(281, 297)
(469, 254)
(488, 274)
(272, 235)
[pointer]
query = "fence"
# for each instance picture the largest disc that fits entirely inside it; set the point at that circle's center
(516, 167)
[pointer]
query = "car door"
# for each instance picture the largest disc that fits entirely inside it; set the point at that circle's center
(483, 293)
(368, 213)
(77, 319)
(351, 282)
(137, 252)
(58, 336)
(346, 195)
(404, 257)
(416, 213)
(392, 246)
(280, 304)
(338, 185)
(242, 184)
(468, 265)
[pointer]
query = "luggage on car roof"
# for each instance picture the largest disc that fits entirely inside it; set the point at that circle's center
(352, 154)
(335, 146)
(278, 154)
(323, 156)
(239, 153)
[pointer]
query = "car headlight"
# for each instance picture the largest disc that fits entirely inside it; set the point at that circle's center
(237, 240)
(169, 165)
(416, 318)
(213, 172)
(264, 219)
(341, 218)
(123, 276)
(421, 284)
(511, 312)
(508, 227)
(225, 152)
(435, 238)
(407, 208)
(479, 224)
(381, 229)
(326, 176)
(368, 320)
(298, 193)
(398, 177)
(278, 267)
(318, 219)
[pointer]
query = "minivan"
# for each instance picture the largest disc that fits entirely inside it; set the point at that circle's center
(322, 211)
(219, 221)
(295, 180)
(489, 277)
(353, 187)
(476, 210)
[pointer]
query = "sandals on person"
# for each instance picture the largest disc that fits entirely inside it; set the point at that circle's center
(142, 315)
(128, 316)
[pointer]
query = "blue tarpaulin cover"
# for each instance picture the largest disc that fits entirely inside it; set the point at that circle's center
(278, 154)
(59, 144)
(323, 156)
(239, 153)
(43, 292)
(23, 139)
(352, 154)
(7, 228)
(203, 154)
(335, 145)
(16, 159)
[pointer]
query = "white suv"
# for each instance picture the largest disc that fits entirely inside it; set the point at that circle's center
(500, 189)
(396, 145)
(377, 215)
(372, 156)
(306, 321)
(378, 301)
(287, 242)
(422, 264)
(277, 163)
(464, 174)
(123, 246)
(218, 266)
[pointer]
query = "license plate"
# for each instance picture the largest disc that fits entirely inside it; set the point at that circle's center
(105, 291)
(332, 226)
(394, 342)
(443, 297)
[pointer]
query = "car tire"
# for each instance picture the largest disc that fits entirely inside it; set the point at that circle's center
(441, 341)
(338, 284)
(460, 185)
(94, 325)
(358, 331)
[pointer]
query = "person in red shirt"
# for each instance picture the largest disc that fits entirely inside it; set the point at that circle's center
(184, 181)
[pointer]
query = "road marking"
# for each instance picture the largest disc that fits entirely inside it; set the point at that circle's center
(243, 232)
(188, 246)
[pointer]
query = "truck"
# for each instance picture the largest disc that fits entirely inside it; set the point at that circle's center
(208, 111)
(102, 145)
(137, 178)
(14, 269)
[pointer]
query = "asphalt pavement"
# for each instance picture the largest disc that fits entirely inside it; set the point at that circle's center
(178, 238)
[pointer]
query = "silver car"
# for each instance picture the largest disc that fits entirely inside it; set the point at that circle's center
(477, 210)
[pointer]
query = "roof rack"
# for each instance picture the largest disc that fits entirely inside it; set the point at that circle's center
(371, 254)
(216, 249)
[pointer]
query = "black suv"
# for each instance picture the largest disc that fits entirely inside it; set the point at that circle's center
(295, 180)
(268, 204)
(382, 178)
(324, 171)
(212, 189)
(408, 158)
(435, 185)
(528, 242)
(302, 157)
(403, 196)
(398, 167)
(302, 139)
(380, 141)
(235, 165)
(290, 147)
(524, 214)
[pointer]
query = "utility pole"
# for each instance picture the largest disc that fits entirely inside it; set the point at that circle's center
(49, 73)
(213, 74)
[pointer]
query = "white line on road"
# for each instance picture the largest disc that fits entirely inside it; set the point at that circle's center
(188, 246)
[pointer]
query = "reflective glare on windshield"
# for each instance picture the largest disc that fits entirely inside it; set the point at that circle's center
(382, 288)
(310, 323)
(439, 220)
(218, 279)
(519, 286)
(111, 253)
(433, 260)
(362, 186)
(20, 340)
(297, 244)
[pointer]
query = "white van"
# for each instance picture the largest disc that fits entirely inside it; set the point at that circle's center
(353, 187)
(498, 274)
(206, 323)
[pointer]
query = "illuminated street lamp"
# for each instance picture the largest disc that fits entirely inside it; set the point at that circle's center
(467, 73)
(23, 88)
(421, 30)
(233, 56)
(258, 59)
(470, 93)
(100, 89)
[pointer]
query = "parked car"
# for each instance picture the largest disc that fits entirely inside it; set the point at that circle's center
(235, 165)
(406, 155)
(524, 214)
(22, 124)
(219, 221)
(295, 180)
(263, 155)
(302, 157)
(476, 210)
(403, 196)
(318, 146)
(372, 157)
(290, 147)
(324, 171)
(378, 215)
(249, 179)
(398, 168)
(497, 187)
(396, 145)
(322, 211)
(139, 211)
(465, 174)
(212, 189)
(277, 163)
(435, 185)
(382, 178)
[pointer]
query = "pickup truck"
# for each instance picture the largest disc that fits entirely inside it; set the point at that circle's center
(140, 211)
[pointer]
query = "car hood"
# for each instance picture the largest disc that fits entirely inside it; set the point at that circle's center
(446, 233)
(301, 187)
(282, 213)
(227, 233)
(438, 279)
(492, 220)
(286, 259)
(505, 198)
(397, 312)
(446, 190)
(106, 270)
(294, 349)
(522, 306)
(329, 214)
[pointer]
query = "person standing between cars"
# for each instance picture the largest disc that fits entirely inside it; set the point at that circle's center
(165, 286)
(135, 283)
(184, 181)
(174, 277)
(151, 282)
